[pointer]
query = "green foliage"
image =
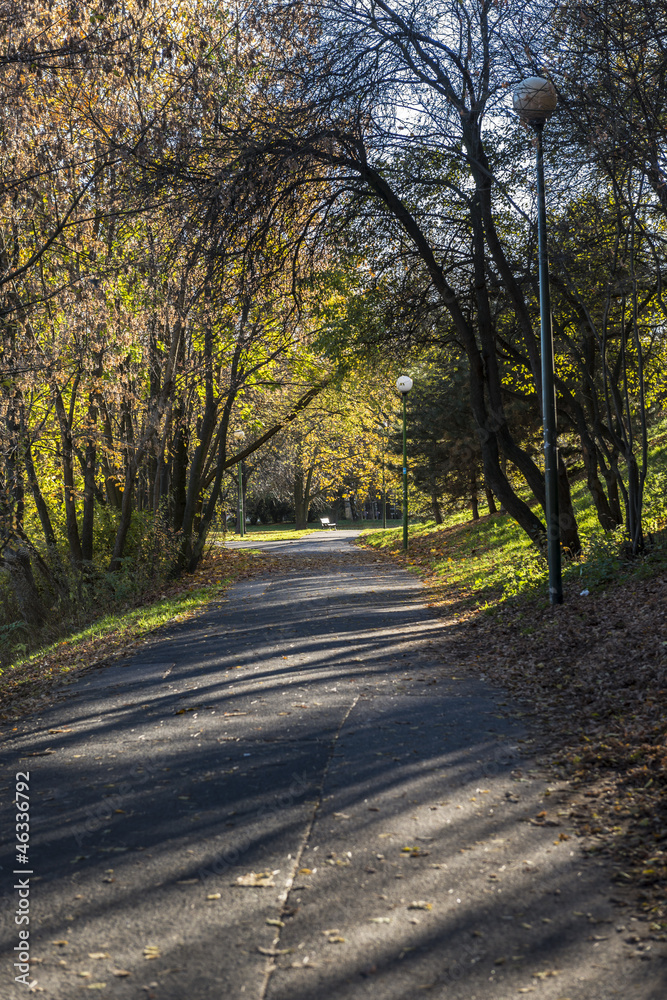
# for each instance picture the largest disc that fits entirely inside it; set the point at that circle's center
(14, 637)
(655, 499)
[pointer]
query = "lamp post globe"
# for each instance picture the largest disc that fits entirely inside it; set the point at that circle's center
(535, 100)
(404, 383)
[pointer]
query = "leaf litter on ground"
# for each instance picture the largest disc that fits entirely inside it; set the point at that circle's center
(592, 673)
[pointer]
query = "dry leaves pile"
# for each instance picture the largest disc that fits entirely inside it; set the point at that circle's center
(594, 672)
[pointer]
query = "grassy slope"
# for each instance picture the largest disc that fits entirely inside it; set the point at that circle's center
(114, 634)
(492, 559)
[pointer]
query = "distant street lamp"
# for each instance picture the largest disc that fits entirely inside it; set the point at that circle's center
(404, 384)
(239, 436)
(534, 102)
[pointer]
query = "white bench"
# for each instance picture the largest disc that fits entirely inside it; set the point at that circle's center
(326, 523)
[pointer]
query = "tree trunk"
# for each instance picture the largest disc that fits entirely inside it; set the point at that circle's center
(40, 503)
(191, 505)
(490, 500)
(88, 520)
(611, 479)
(300, 502)
(68, 481)
(569, 535)
(595, 488)
(474, 502)
(179, 467)
(24, 588)
(634, 505)
(124, 524)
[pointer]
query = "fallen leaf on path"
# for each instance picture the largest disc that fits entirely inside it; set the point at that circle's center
(98, 954)
(273, 952)
(341, 862)
(420, 904)
(121, 972)
(257, 880)
(151, 951)
(214, 895)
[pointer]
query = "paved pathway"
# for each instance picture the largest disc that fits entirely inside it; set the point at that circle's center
(310, 727)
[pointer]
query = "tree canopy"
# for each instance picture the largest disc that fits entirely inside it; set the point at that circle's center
(225, 230)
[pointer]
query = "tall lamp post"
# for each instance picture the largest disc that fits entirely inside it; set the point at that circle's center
(534, 102)
(404, 384)
(239, 436)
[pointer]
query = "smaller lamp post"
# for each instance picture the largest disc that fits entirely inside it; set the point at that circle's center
(404, 384)
(534, 102)
(239, 436)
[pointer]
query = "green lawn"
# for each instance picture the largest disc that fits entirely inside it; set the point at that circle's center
(492, 559)
(124, 628)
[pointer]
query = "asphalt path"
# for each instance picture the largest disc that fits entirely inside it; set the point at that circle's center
(311, 734)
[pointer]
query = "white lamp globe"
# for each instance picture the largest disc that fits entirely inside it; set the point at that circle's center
(404, 383)
(535, 100)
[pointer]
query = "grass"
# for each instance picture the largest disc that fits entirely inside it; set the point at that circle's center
(491, 560)
(117, 632)
(287, 532)
(264, 533)
(480, 560)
